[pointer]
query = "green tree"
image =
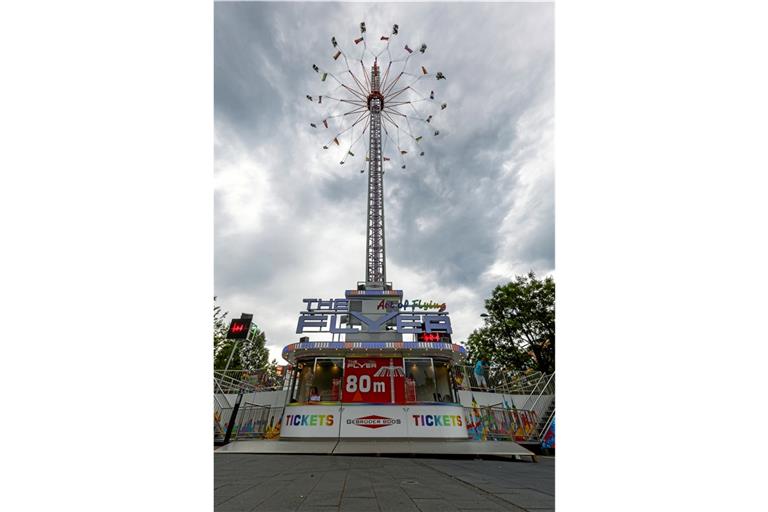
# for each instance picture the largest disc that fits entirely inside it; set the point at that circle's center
(251, 355)
(222, 347)
(253, 352)
(519, 330)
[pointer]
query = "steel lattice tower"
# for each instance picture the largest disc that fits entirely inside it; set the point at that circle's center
(387, 103)
(376, 266)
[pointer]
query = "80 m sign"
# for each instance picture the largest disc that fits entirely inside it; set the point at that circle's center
(363, 384)
(375, 380)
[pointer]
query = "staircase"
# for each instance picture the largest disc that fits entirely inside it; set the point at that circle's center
(542, 402)
(544, 421)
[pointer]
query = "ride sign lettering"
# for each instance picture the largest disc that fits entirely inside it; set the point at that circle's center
(374, 380)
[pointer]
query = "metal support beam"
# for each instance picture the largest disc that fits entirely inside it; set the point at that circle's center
(375, 268)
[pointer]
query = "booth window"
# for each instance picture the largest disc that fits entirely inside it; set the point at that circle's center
(420, 380)
(443, 386)
(303, 381)
(328, 374)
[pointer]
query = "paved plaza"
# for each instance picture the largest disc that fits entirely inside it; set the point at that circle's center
(257, 482)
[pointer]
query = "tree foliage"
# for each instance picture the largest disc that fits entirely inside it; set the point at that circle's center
(220, 342)
(519, 330)
(251, 355)
(253, 352)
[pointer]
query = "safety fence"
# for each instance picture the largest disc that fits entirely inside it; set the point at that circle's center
(501, 423)
(234, 381)
(500, 380)
(484, 423)
(253, 421)
(222, 411)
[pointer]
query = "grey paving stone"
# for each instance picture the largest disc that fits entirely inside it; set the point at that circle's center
(249, 499)
(424, 492)
(478, 503)
(328, 490)
(434, 505)
(321, 498)
(231, 489)
(528, 498)
(358, 485)
(218, 500)
(258, 482)
(396, 504)
(406, 506)
(359, 505)
(280, 503)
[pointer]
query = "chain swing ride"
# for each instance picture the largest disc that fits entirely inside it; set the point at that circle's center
(350, 105)
(364, 101)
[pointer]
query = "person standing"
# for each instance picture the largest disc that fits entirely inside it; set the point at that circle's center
(479, 374)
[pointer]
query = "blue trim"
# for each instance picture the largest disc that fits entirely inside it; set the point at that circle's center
(406, 404)
(373, 293)
(345, 404)
(357, 345)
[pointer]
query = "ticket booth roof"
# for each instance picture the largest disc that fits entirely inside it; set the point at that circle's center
(299, 351)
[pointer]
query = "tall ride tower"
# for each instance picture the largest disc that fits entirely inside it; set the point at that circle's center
(392, 103)
(376, 264)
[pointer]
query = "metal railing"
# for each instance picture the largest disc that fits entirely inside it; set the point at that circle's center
(494, 422)
(253, 420)
(529, 423)
(501, 423)
(546, 424)
(233, 381)
(499, 380)
(222, 410)
(542, 403)
(545, 386)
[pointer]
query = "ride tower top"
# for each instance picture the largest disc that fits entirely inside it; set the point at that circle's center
(393, 109)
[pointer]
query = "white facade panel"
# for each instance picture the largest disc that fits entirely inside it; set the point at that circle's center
(436, 421)
(311, 421)
(373, 421)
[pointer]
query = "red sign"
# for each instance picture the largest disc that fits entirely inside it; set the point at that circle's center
(374, 380)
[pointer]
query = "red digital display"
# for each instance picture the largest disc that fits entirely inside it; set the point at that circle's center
(238, 329)
(374, 380)
(434, 336)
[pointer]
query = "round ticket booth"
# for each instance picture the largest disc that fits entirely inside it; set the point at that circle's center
(406, 390)
(373, 384)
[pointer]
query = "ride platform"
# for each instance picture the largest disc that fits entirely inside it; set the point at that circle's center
(454, 448)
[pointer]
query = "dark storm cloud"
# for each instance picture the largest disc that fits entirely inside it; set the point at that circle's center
(475, 210)
(243, 99)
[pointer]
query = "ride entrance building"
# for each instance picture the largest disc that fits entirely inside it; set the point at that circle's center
(387, 370)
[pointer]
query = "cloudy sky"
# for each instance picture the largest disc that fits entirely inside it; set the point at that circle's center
(477, 209)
